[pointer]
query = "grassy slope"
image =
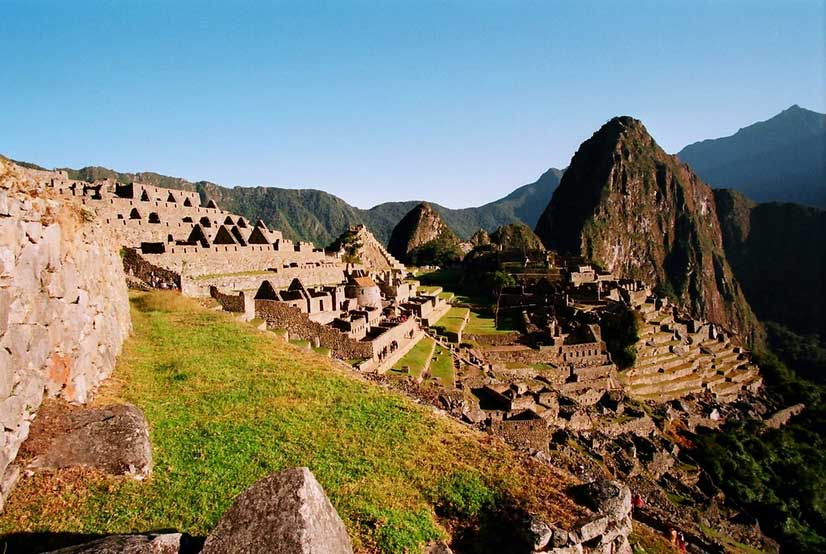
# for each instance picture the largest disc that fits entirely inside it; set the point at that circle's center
(453, 320)
(484, 324)
(417, 357)
(441, 367)
(228, 405)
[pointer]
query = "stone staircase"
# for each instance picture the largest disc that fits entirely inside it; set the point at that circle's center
(672, 363)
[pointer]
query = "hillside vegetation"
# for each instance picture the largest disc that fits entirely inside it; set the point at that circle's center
(228, 404)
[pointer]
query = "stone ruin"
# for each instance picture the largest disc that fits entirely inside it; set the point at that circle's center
(64, 310)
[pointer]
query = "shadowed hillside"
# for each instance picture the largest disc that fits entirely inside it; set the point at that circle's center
(781, 159)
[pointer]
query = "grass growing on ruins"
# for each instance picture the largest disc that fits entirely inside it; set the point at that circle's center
(454, 320)
(485, 324)
(441, 367)
(417, 357)
(228, 404)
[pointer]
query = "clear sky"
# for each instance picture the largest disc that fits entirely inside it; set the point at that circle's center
(452, 102)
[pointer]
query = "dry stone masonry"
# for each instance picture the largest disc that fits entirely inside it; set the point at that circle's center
(64, 311)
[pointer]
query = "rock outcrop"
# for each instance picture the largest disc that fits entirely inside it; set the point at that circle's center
(605, 531)
(284, 513)
(113, 439)
(64, 310)
(423, 238)
(150, 543)
(634, 210)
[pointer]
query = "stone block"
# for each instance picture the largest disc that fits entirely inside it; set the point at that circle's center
(287, 513)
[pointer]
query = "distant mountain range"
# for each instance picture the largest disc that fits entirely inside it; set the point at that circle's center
(782, 159)
(319, 217)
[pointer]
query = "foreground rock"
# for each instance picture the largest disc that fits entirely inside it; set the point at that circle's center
(114, 439)
(151, 543)
(285, 513)
(605, 532)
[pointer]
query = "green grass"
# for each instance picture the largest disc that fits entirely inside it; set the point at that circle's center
(484, 324)
(417, 357)
(446, 296)
(301, 343)
(425, 289)
(322, 350)
(454, 320)
(729, 542)
(441, 367)
(228, 405)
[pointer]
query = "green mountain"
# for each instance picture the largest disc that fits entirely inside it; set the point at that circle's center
(319, 217)
(782, 159)
(636, 211)
(423, 238)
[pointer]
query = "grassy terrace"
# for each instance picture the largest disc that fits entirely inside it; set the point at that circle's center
(228, 404)
(454, 320)
(416, 358)
(425, 289)
(441, 367)
(484, 324)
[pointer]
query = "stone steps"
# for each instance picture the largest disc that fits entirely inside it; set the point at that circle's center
(691, 382)
(665, 396)
(663, 362)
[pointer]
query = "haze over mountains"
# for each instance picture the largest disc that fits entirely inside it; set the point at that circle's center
(782, 159)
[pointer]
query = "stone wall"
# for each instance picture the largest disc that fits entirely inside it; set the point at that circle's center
(279, 315)
(230, 303)
(64, 309)
(137, 266)
(527, 433)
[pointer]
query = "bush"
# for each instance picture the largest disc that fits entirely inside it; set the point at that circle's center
(464, 494)
(621, 333)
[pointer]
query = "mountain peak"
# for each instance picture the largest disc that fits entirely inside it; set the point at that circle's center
(779, 159)
(423, 238)
(631, 208)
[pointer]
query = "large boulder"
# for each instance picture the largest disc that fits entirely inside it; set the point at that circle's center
(150, 543)
(113, 439)
(606, 497)
(284, 513)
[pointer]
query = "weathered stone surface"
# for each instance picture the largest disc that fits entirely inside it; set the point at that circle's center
(114, 439)
(438, 547)
(286, 512)
(64, 309)
(571, 549)
(539, 533)
(610, 498)
(151, 543)
(591, 528)
(782, 417)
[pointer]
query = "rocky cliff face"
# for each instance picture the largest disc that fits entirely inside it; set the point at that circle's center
(633, 209)
(422, 237)
(64, 310)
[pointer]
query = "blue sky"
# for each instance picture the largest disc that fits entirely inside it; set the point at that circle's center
(453, 102)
